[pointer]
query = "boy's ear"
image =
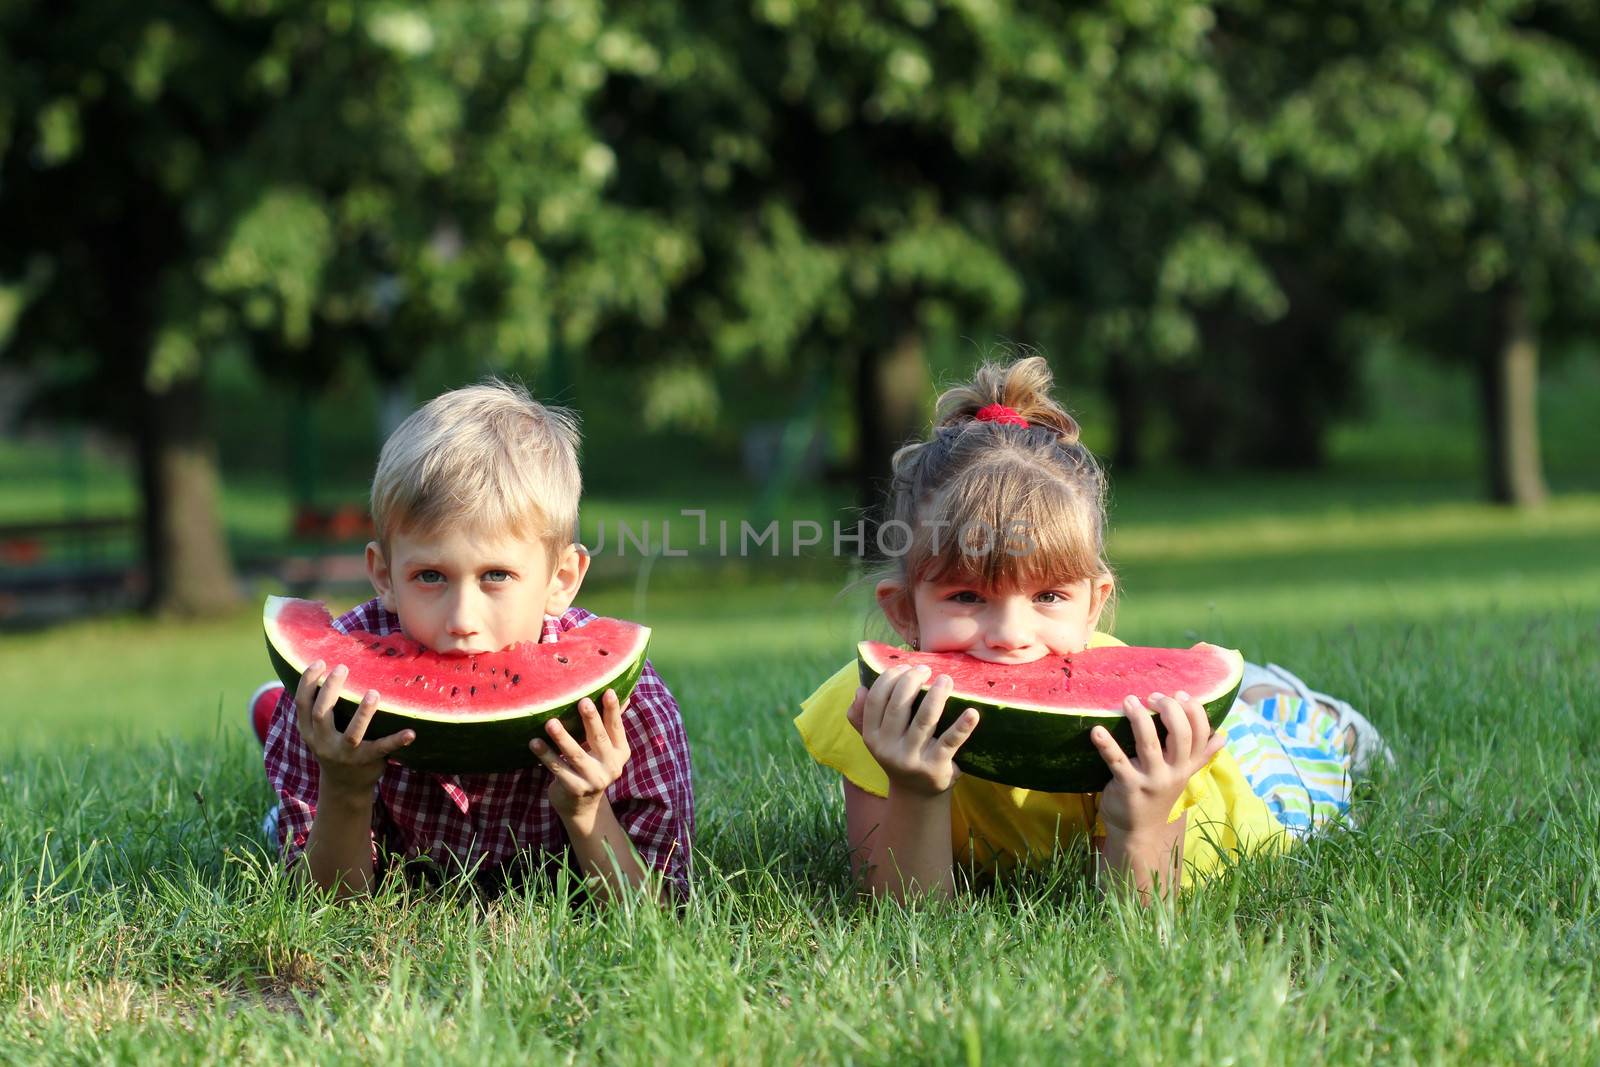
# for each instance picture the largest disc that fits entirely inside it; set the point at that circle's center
(572, 563)
(1100, 588)
(378, 573)
(895, 602)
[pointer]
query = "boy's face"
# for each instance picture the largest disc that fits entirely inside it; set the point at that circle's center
(461, 593)
(998, 625)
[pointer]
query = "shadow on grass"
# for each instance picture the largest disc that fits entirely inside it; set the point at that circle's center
(1574, 555)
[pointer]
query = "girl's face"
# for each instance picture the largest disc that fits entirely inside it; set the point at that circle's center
(1013, 625)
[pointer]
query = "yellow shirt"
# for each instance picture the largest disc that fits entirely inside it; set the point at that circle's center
(998, 826)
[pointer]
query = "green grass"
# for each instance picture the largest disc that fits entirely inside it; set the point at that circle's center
(141, 920)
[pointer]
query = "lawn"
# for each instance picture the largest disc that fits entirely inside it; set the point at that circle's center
(140, 917)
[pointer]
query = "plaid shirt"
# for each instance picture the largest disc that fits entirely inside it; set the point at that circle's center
(489, 819)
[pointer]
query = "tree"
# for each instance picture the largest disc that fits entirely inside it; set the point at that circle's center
(1457, 151)
(309, 182)
(841, 217)
(861, 179)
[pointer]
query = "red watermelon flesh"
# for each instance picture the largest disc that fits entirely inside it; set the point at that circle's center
(470, 713)
(1094, 680)
(1035, 718)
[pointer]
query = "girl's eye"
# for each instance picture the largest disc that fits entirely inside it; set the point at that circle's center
(497, 576)
(1053, 596)
(966, 596)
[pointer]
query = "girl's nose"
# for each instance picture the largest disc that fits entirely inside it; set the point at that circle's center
(1008, 626)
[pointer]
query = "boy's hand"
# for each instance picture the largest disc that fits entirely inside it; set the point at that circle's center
(349, 764)
(581, 774)
(902, 743)
(1144, 789)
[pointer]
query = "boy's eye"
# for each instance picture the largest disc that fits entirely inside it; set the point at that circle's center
(497, 576)
(428, 577)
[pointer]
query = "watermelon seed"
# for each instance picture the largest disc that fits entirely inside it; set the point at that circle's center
(991, 685)
(391, 651)
(562, 659)
(515, 678)
(603, 652)
(454, 689)
(472, 691)
(375, 644)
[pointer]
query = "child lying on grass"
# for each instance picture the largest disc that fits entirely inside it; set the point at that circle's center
(1002, 454)
(475, 501)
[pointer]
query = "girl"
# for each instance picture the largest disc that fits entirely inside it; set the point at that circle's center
(1005, 457)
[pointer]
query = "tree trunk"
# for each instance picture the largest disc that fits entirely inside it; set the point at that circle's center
(188, 568)
(1509, 388)
(1128, 403)
(891, 409)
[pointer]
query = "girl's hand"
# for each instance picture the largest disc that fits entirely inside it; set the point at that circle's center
(1144, 789)
(347, 763)
(581, 774)
(902, 742)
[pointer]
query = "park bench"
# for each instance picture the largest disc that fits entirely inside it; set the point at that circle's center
(61, 566)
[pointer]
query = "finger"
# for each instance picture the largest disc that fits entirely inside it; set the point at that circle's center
(897, 714)
(1146, 744)
(564, 743)
(327, 697)
(1116, 759)
(877, 698)
(1200, 732)
(613, 721)
(356, 732)
(1179, 731)
(305, 693)
(1213, 746)
(384, 747)
(595, 738)
(857, 707)
(558, 767)
(952, 739)
(926, 719)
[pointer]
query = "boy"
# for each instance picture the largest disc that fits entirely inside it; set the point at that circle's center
(475, 501)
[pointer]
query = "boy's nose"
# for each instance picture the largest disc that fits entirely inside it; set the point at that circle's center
(462, 620)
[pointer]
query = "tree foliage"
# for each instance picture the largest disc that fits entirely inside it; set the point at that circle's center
(1209, 207)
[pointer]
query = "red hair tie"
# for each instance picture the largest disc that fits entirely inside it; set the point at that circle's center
(1001, 414)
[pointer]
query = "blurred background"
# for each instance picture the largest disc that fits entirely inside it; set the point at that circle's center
(1319, 279)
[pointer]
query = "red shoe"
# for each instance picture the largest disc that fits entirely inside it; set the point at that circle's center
(262, 704)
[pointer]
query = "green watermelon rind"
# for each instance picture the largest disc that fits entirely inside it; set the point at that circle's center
(467, 744)
(1046, 749)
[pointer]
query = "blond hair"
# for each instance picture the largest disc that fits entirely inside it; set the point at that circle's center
(995, 502)
(488, 456)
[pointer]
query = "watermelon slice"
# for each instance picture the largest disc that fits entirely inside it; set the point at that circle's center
(1035, 718)
(470, 713)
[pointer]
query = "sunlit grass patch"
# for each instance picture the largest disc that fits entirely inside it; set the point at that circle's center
(141, 918)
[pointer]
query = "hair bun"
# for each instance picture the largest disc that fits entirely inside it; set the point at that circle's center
(1024, 385)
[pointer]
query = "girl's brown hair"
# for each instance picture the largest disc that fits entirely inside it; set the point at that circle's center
(994, 502)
